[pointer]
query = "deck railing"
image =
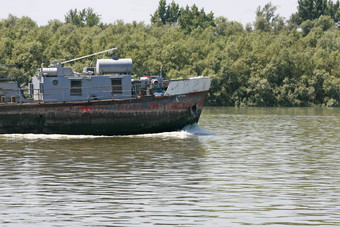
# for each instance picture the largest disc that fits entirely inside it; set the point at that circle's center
(22, 95)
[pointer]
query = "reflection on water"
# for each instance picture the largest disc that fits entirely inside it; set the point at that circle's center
(251, 166)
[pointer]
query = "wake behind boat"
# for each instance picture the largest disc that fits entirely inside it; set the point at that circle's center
(102, 100)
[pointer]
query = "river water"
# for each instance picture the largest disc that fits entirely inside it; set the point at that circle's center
(240, 166)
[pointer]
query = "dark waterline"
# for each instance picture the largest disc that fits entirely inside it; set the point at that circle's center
(251, 166)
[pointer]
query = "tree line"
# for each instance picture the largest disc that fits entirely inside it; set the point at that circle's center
(271, 62)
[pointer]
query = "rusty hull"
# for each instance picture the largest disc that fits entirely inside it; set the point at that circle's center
(103, 117)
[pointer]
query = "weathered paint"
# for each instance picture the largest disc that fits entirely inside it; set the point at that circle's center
(185, 86)
(8, 89)
(57, 88)
(148, 114)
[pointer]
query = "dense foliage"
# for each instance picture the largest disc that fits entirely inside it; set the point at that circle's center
(272, 62)
(85, 17)
(313, 9)
(188, 18)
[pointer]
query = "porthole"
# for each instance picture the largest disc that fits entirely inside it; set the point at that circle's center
(55, 82)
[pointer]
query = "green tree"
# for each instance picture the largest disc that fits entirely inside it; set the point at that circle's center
(333, 10)
(191, 18)
(267, 19)
(313, 9)
(267, 12)
(166, 14)
(172, 13)
(160, 15)
(82, 18)
(188, 18)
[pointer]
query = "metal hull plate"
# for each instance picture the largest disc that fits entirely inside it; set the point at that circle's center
(104, 117)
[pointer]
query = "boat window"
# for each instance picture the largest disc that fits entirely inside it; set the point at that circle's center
(31, 88)
(41, 88)
(116, 85)
(75, 88)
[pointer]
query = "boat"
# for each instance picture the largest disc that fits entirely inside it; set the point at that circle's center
(102, 100)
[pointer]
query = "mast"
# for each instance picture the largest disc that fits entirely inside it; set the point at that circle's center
(91, 55)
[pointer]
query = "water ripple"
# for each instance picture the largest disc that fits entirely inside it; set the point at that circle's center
(253, 166)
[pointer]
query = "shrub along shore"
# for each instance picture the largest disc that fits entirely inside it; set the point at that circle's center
(270, 62)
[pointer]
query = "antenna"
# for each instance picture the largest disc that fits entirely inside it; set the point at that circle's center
(87, 56)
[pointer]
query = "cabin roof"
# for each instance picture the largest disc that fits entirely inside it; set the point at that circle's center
(6, 79)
